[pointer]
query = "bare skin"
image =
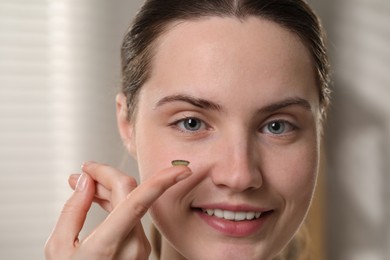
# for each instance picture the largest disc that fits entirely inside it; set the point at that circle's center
(121, 235)
(238, 99)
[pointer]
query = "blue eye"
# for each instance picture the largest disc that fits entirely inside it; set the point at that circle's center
(278, 127)
(191, 124)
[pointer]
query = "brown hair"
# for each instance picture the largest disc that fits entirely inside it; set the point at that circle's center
(155, 17)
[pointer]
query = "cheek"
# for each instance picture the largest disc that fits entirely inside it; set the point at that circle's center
(153, 152)
(293, 180)
(294, 174)
(157, 147)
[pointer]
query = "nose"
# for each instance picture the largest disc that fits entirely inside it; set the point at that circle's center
(238, 167)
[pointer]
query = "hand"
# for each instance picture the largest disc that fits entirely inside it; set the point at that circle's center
(111, 185)
(121, 235)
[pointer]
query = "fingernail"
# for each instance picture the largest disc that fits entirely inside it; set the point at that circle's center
(81, 182)
(85, 164)
(74, 176)
(180, 162)
(183, 176)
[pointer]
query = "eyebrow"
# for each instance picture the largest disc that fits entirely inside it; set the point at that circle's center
(197, 102)
(294, 101)
(210, 105)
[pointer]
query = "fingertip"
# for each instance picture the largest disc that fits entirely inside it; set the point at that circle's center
(183, 172)
(182, 168)
(86, 164)
(82, 182)
(170, 176)
(75, 210)
(183, 175)
(72, 180)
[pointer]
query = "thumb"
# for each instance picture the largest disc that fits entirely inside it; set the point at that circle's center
(74, 213)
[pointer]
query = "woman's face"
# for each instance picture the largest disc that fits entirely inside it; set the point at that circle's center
(238, 99)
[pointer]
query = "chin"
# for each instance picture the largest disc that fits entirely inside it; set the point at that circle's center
(231, 250)
(229, 255)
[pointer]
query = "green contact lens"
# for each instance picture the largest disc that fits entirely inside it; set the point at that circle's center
(180, 162)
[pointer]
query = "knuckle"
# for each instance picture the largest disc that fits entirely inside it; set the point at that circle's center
(147, 249)
(143, 255)
(71, 208)
(159, 184)
(68, 208)
(92, 166)
(98, 168)
(100, 252)
(126, 183)
(141, 251)
(53, 248)
(50, 249)
(140, 210)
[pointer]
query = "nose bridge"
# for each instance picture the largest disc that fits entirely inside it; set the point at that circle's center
(239, 169)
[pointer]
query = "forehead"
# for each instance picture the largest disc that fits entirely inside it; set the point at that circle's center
(214, 51)
(252, 35)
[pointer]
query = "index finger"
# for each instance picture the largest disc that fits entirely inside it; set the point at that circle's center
(128, 213)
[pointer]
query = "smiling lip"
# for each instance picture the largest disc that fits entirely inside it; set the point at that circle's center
(233, 220)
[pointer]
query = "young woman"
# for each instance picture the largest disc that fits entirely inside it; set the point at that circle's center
(238, 88)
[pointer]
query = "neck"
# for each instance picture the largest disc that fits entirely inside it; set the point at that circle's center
(168, 252)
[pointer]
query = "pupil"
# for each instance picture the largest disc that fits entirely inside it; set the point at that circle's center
(276, 126)
(192, 123)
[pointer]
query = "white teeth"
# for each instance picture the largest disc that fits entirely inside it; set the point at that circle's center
(240, 216)
(232, 215)
(218, 213)
(210, 212)
(250, 215)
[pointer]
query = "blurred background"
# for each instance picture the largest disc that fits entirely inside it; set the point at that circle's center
(60, 71)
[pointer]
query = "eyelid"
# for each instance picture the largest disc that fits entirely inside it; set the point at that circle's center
(292, 127)
(183, 130)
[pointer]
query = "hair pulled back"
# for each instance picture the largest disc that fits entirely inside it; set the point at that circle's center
(155, 17)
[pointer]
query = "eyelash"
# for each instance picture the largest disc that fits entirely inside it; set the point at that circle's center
(284, 124)
(185, 119)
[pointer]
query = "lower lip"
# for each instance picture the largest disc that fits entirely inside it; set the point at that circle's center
(234, 228)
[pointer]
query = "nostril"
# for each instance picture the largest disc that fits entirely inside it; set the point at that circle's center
(238, 182)
(238, 165)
